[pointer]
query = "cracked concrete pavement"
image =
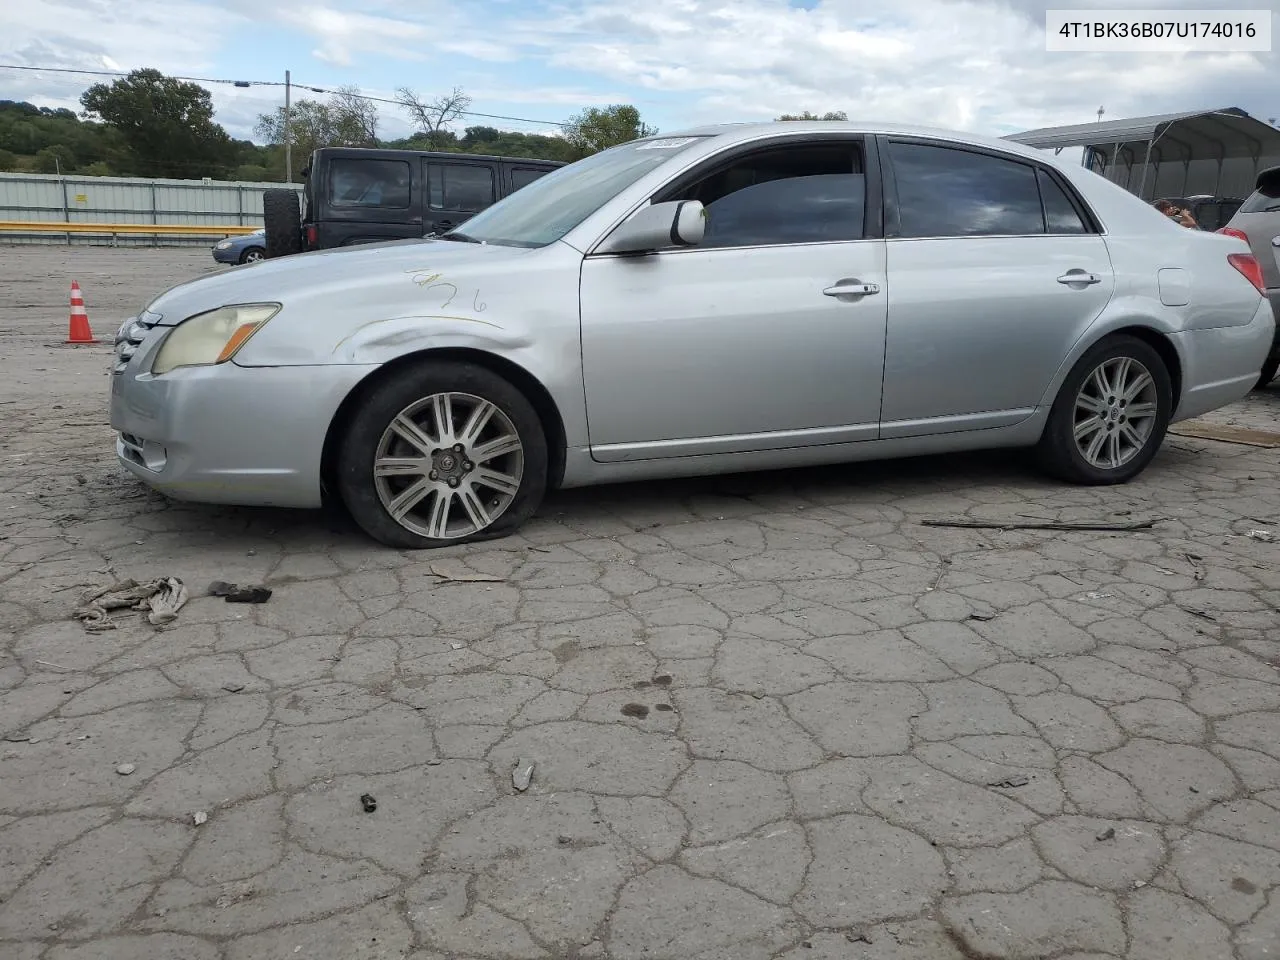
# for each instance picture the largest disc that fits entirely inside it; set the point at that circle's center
(770, 716)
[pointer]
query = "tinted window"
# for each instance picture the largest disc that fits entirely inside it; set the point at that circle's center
(797, 195)
(944, 192)
(460, 187)
(523, 176)
(1059, 215)
(1266, 199)
(369, 183)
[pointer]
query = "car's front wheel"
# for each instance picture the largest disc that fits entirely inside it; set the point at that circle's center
(442, 453)
(253, 255)
(1110, 415)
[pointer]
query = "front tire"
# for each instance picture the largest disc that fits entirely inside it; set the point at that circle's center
(252, 255)
(1110, 415)
(442, 453)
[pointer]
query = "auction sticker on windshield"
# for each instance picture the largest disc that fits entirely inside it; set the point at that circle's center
(670, 143)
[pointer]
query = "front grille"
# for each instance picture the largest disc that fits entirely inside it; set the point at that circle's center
(130, 336)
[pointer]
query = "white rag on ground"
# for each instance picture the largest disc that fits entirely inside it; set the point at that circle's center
(163, 597)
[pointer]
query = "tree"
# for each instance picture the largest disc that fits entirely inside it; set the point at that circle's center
(355, 117)
(433, 117)
(167, 125)
(8, 160)
(598, 128)
(55, 159)
(829, 115)
(346, 119)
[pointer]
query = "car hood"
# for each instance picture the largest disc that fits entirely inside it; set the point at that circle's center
(367, 265)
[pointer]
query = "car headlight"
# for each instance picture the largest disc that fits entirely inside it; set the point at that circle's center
(223, 245)
(213, 337)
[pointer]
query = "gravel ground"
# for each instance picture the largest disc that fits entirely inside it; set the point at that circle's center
(768, 715)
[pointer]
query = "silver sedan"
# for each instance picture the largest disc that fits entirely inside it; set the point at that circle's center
(731, 298)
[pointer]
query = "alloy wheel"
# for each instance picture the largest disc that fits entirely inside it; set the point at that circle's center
(448, 465)
(1115, 412)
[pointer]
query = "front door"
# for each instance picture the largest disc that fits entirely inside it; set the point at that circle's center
(995, 274)
(457, 191)
(769, 334)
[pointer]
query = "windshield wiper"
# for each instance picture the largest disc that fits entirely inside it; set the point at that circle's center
(458, 237)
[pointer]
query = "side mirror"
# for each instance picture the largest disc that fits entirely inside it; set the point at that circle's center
(679, 223)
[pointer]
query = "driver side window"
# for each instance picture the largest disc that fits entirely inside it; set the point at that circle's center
(808, 193)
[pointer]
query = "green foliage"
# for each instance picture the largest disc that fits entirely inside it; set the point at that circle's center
(829, 115)
(55, 159)
(165, 125)
(598, 128)
(8, 161)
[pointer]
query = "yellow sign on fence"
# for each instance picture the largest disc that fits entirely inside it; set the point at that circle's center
(82, 198)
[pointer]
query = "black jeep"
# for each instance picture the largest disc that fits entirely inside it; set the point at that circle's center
(356, 195)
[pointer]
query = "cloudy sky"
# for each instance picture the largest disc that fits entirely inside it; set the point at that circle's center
(970, 64)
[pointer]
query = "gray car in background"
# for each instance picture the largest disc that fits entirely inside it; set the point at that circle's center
(248, 248)
(740, 297)
(1257, 222)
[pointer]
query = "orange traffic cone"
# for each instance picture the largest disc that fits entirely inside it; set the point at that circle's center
(79, 332)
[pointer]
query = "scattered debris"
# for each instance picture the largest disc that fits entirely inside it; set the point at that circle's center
(464, 576)
(1193, 789)
(1107, 834)
(1203, 615)
(1096, 595)
(1117, 526)
(983, 617)
(234, 593)
(637, 710)
(1225, 433)
(233, 687)
(162, 597)
(943, 567)
(1266, 536)
(16, 738)
(368, 803)
(457, 646)
(563, 840)
(1139, 884)
(664, 707)
(1010, 782)
(1195, 559)
(522, 775)
(126, 768)
(857, 937)
(200, 818)
(434, 762)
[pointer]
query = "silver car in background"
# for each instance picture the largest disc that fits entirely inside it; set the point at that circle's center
(729, 298)
(1257, 222)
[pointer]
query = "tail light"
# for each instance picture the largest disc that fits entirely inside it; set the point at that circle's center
(1249, 268)
(1232, 232)
(313, 236)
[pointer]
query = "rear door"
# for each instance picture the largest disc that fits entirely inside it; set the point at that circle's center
(995, 271)
(368, 199)
(457, 190)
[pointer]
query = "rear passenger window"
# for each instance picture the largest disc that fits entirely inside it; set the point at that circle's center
(1266, 199)
(523, 176)
(369, 183)
(460, 187)
(945, 192)
(1060, 216)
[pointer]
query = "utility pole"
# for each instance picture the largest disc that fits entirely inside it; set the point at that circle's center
(288, 132)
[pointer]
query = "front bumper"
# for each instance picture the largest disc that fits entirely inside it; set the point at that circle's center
(229, 255)
(1220, 365)
(228, 434)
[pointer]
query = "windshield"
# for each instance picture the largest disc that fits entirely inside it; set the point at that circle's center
(551, 206)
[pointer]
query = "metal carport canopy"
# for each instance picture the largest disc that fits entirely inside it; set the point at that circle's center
(1215, 135)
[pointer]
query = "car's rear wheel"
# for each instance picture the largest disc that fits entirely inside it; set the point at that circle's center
(1110, 415)
(282, 218)
(252, 255)
(1269, 370)
(442, 453)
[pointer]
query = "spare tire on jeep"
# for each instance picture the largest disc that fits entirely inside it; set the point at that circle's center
(282, 218)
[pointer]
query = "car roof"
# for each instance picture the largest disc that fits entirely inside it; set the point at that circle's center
(733, 132)
(375, 152)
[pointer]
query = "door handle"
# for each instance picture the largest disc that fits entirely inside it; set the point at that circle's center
(850, 288)
(1079, 276)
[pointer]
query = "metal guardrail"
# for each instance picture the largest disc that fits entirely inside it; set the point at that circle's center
(122, 229)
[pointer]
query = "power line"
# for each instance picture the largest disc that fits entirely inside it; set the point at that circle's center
(271, 83)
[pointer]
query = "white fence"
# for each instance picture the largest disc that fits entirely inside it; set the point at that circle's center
(28, 197)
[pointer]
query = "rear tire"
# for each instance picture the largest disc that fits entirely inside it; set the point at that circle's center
(411, 483)
(282, 217)
(1110, 415)
(1269, 370)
